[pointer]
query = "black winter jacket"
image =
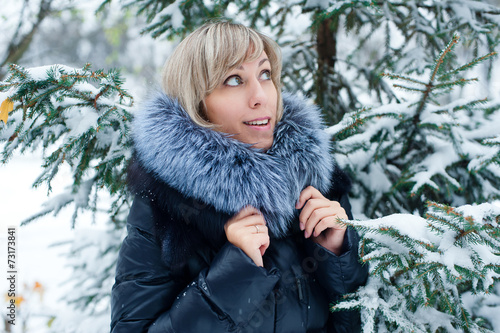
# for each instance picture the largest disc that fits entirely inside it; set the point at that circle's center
(177, 272)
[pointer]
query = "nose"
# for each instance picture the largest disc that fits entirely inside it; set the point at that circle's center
(257, 95)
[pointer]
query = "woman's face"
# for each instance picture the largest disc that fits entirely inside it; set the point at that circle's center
(245, 104)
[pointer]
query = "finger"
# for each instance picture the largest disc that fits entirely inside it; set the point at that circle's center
(258, 261)
(252, 220)
(263, 249)
(260, 243)
(247, 216)
(333, 209)
(329, 222)
(339, 210)
(245, 228)
(306, 194)
(244, 212)
(309, 208)
(266, 241)
(316, 216)
(258, 229)
(313, 204)
(247, 211)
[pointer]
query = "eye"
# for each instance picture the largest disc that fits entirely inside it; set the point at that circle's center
(265, 75)
(233, 81)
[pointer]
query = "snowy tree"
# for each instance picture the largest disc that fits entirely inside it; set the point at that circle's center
(84, 126)
(334, 51)
(423, 269)
(404, 154)
(23, 30)
(80, 118)
(432, 140)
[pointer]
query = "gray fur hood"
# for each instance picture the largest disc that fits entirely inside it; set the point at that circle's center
(219, 171)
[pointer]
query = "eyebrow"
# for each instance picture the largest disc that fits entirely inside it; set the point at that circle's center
(260, 63)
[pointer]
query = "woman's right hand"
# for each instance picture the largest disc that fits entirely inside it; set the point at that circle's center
(247, 230)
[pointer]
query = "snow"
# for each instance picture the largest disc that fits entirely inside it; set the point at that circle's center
(410, 225)
(37, 260)
(379, 298)
(40, 73)
(43, 247)
(175, 12)
(435, 318)
(479, 212)
(41, 262)
(485, 305)
(435, 164)
(451, 253)
(80, 120)
(322, 4)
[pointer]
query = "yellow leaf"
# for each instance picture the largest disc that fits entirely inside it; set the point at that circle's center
(37, 286)
(51, 320)
(5, 108)
(19, 300)
(16, 299)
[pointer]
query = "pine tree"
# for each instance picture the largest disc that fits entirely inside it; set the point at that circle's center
(338, 48)
(25, 30)
(404, 154)
(422, 269)
(435, 146)
(80, 118)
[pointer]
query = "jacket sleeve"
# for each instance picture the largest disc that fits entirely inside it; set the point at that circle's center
(147, 298)
(341, 274)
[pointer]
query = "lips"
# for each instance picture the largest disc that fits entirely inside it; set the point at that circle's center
(257, 122)
(262, 122)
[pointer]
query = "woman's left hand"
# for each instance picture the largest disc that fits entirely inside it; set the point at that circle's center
(318, 219)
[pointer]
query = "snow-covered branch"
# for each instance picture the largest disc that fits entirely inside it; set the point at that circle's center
(81, 118)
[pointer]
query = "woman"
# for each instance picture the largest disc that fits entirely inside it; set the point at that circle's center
(234, 227)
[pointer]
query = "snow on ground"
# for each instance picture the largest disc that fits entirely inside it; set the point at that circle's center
(41, 267)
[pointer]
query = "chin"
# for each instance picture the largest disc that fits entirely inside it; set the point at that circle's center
(264, 146)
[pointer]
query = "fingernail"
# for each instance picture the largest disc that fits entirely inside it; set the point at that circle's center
(306, 234)
(297, 204)
(302, 226)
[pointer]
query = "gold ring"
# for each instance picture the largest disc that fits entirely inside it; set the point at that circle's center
(257, 227)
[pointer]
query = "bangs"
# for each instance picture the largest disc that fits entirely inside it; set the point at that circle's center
(244, 50)
(242, 45)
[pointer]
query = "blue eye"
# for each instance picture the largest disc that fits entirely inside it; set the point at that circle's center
(233, 81)
(265, 75)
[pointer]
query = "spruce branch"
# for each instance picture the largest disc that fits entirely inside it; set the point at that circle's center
(82, 117)
(442, 57)
(425, 267)
(403, 78)
(410, 89)
(468, 66)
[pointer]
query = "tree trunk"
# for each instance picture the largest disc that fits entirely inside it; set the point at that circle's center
(18, 46)
(326, 89)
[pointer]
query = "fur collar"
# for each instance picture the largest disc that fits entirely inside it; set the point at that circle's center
(217, 170)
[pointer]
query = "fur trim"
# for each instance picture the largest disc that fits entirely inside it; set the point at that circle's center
(215, 169)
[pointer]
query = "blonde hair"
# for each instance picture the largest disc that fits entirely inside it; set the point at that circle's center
(201, 61)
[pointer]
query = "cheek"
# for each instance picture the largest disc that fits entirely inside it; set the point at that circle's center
(222, 112)
(213, 109)
(273, 96)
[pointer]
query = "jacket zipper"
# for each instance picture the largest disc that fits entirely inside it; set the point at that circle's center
(299, 289)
